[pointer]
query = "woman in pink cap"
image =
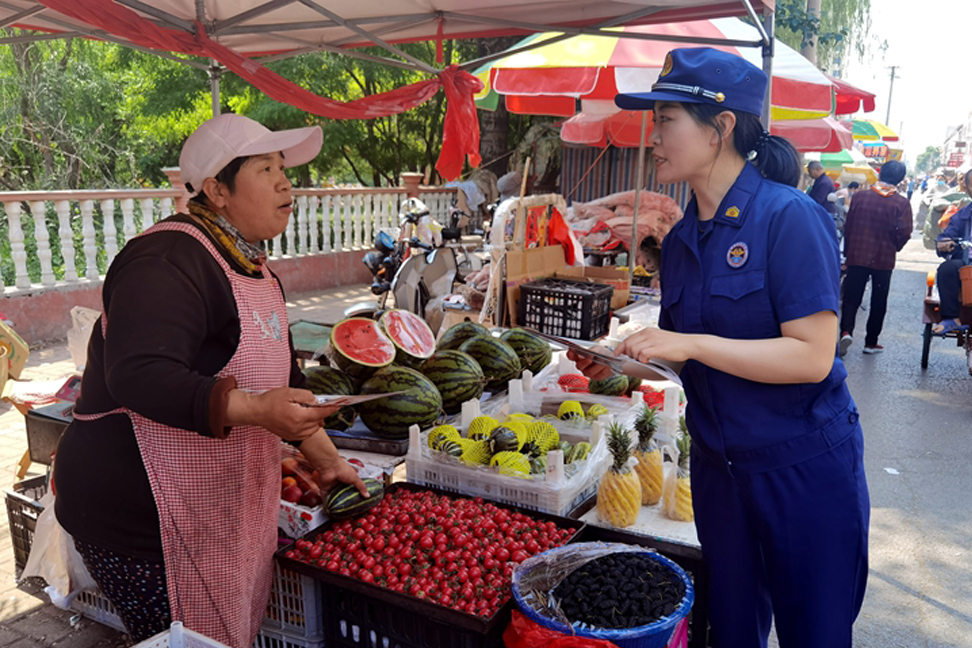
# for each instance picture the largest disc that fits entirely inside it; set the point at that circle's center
(169, 477)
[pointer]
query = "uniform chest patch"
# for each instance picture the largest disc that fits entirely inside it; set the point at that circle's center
(737, 255)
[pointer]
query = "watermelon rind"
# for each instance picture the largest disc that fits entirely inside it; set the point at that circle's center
(498, 360)
(459, 333)
(390, 417)
(328, 380)
(457, 376)
(350, 338)
(346, 502)
(413, 339)
(534, 352)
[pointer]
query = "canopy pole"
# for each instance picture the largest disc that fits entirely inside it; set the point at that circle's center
(215, 72)
(768, 51)
(632, 251)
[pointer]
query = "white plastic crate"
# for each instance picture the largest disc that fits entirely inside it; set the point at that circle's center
(268, 638)
(95, 606)
(179, 637)
(294, 608)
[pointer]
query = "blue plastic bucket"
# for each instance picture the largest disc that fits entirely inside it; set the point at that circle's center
(653, 635)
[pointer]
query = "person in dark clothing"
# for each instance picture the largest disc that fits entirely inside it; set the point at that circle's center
(878, 225)
(170, 472)
(959, 228)
(822, 187)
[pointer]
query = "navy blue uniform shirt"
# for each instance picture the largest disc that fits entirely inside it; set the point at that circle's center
(769, 256)
(822, 187)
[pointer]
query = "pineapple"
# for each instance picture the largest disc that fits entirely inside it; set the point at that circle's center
(678, 489)
(649, 458)
(619, 494)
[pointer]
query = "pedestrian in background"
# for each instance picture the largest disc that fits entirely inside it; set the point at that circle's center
(822, 187)
(878, 226)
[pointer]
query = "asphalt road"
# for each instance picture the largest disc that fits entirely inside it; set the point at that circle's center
(918, 457)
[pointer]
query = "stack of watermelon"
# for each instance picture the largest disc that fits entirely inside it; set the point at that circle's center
(398, 353)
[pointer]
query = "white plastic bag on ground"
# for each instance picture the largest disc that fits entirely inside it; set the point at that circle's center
(54, 558)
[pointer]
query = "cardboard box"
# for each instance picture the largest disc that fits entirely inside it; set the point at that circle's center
(529, 265)
(17, 350)
(297, 521)
(608, 275)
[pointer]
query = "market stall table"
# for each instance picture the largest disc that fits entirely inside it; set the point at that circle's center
(310, 338)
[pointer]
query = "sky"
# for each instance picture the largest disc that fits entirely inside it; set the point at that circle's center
(930, 41)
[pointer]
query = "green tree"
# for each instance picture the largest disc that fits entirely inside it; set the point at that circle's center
(843, 28)
(929, 160)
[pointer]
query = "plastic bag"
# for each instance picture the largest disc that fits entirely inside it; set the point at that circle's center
(54, 558)
(524, 633)
(82, 322)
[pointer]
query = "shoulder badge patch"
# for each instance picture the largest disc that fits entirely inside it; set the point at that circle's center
(732, 212)
(738, 255)
(667, 67)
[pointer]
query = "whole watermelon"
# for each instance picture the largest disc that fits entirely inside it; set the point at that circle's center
(533, 351)
(346, 502)
(390, 417)
(612, 386)
(328, 380)
(457, 376)
(459, 333)
(498, 360)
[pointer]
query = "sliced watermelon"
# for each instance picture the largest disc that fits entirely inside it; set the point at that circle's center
(360, 347)
(411, 336)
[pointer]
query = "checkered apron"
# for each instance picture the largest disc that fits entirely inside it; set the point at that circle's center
(218, 499)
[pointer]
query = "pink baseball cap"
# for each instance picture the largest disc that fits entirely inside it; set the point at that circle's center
(220, 140)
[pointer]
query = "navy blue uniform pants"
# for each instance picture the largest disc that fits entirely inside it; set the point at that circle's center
(854, 283)
(789, 543)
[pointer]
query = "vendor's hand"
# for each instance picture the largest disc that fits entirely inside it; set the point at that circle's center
(588, 367)
(331, 468)
(279, 411)
(945, 246)
(657, 343)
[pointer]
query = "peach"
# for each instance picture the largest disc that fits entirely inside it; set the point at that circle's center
(311, 499)
(291, 494)
(289, 466)
(287, 481)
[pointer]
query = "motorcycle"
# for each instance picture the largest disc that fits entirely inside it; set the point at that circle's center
(414, 269)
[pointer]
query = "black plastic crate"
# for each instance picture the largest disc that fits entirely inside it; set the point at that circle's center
(688, 558)
(364, 615)
(565, 308)
(23, 509)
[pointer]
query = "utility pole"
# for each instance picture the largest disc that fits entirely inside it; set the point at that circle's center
(887, 119)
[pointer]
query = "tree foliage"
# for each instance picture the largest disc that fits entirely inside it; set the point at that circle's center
(842, 28)
(929, 160)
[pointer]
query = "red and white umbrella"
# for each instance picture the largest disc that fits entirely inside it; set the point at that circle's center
(549, 79)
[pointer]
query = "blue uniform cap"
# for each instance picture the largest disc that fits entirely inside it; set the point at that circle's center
(703, 75)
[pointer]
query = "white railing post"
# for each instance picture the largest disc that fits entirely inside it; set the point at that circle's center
(289, 233)
(128, 219)
(90, 242)
(17, 250)
(326, 224)
(358, 222)
(39, 208)
(301, 225)
(165, 210)
(148, 207)
(369, 219)
(340, 212)
(111, 232)
(276, 246)
(312, 204)
(63, 208)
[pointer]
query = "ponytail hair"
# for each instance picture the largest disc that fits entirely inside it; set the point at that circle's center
(774, 156)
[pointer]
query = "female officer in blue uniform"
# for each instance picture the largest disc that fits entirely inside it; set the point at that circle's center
(749, 303)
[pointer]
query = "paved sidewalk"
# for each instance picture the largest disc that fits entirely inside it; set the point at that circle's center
(27, 618)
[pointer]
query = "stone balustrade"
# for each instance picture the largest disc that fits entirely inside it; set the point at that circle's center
(66, 237)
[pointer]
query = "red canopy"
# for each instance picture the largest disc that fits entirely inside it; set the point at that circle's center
(233, 31)
(850, 99)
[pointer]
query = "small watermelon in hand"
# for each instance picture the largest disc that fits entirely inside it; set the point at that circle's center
(346, 501)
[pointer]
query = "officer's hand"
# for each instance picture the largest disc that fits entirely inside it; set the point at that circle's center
(656, 343)
(588, 367)
(946, 246)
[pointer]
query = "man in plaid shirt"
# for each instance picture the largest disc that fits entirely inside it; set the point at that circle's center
(878, 226)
